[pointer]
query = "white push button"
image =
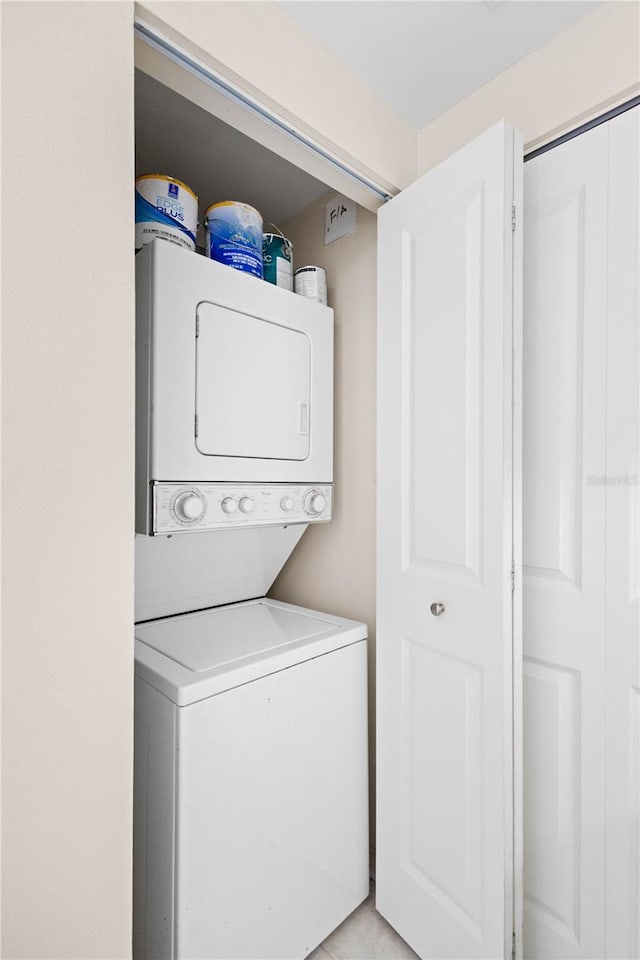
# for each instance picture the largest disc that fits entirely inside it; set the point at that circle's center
(229, 505)
(246, 504)
(287, 503)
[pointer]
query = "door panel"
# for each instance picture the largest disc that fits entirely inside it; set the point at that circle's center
(582, 423)
(563, 550)
(444, 692)
(554, 230)
(623, 544)
(446, 371)
(444, 858)
(552, 789)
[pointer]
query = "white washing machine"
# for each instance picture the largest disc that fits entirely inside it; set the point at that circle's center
(251, 781)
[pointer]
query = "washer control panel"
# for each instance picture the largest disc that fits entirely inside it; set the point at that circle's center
(179, 507)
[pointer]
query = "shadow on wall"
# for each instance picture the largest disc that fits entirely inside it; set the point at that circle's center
(333, 567)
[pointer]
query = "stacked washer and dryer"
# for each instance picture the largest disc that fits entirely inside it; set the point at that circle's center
(251, 824)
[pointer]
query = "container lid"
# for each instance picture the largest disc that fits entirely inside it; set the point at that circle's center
(196, 655)
(233, 203)
(167, 179)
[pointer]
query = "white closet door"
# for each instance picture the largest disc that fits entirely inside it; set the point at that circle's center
(623, 544)
(444, 864)
(580, 642)
(565, 293)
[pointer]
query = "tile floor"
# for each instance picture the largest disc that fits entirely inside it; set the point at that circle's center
(365, 935)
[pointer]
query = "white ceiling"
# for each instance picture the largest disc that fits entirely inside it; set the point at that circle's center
(423, 56)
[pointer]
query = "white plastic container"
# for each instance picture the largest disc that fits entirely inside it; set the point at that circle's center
(166, 209)
(311, 282)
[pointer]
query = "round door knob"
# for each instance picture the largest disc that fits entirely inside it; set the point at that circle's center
(437, 609)
(314, 503)
(188, 507)
(287, 503)
(246, 504)
(229, 505)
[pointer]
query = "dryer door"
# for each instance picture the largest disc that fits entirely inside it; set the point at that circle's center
(253, 386)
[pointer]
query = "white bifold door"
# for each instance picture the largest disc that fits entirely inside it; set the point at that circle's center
(581, 535)
(508, 647)
(448, 642)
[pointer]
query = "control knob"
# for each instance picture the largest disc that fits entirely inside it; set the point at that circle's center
(188, 506)
(287, 503)
(314, 503)
(246, 504)
(229, 505)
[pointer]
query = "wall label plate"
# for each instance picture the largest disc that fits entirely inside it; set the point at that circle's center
(340, 218)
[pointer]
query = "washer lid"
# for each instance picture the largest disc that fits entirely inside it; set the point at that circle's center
(226, 635)
(196, 655)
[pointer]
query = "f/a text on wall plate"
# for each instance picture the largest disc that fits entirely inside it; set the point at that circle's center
(340, 218)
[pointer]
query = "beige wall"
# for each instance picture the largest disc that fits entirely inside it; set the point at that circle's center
(67, 446)
(67, 414)
(333, 568)
(577, 75)
(265, 52)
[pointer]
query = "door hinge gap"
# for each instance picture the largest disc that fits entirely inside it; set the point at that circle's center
(513, 576)
(513, 216)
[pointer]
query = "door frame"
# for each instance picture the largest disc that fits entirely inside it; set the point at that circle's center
(517, 476)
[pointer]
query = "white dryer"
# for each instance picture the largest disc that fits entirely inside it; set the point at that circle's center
(234, 385)
(251, 781)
